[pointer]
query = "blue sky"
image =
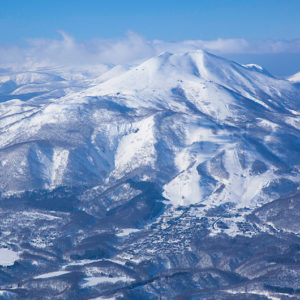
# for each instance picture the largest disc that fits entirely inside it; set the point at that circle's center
(164, 19)
(170, 21)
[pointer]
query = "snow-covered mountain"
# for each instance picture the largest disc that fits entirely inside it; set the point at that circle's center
(177, 177)
(205, 128)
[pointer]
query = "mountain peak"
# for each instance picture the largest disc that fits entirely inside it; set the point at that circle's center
(157, 77)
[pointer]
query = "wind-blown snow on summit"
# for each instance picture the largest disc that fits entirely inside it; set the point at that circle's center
(203, 128)
(294, 78)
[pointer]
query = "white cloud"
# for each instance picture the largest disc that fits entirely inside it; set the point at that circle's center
(235, 46)
(131, 49)
(69, 52)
